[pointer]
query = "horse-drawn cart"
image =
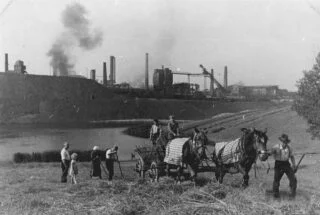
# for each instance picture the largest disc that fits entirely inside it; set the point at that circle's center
(150, 158)
(176, 159)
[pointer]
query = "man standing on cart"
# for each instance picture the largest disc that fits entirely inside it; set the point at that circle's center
(155, 132)
(173, 128)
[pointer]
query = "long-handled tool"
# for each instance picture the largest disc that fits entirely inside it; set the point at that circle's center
(120, 170)
(296, 169)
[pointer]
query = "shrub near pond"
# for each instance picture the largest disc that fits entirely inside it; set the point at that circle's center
(52, 156)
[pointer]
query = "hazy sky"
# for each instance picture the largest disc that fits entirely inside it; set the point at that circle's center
(263, 42)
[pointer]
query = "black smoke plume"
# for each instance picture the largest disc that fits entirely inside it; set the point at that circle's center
(75, 20)
(77, 31)
(59, 59)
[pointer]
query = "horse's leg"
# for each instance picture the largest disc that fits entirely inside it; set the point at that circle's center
(178, 178)
(245, 173)
(193, 173)
(167, 170)
(219, 173)
(222, 174)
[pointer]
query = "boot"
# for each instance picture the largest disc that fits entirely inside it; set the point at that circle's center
(292, 194)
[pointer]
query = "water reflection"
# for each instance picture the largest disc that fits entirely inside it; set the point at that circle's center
(22, 139)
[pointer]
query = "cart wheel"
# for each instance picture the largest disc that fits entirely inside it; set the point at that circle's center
(140, 167)
(154, 172)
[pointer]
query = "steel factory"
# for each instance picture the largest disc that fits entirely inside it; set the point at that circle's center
(163, 85)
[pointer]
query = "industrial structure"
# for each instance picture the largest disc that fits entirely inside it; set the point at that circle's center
(164, 86)
(266, 91)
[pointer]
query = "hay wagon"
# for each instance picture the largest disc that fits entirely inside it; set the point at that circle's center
(151, 160)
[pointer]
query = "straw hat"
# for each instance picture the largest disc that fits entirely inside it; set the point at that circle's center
(96, 148)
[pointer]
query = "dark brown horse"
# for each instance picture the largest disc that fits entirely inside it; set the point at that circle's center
(251, 145)
(192, 155)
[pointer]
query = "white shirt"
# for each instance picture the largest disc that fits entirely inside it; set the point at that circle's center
(155, 129)
(280, 153)
(65, 154)
(111, 154)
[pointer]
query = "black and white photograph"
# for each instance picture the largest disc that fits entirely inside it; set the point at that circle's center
(182, 107)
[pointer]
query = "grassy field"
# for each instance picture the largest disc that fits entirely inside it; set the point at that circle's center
(34, 188)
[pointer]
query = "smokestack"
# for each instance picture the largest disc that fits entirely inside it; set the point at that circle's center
(6, 64)
(212, 82)
(104, 73)
(225, 77)
(147, 72)
(112, 75)
(93, 74)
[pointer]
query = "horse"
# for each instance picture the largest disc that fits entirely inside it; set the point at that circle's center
(251, 145)
(193, 152)
(190, 159)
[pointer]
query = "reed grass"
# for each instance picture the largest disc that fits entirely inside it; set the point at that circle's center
(52, 156)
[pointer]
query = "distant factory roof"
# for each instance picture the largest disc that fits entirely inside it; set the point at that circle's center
(256, 86)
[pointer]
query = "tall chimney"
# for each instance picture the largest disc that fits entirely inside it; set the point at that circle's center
(6, 64)
(225, 77)
(147, 72)
(104, 73)
(93, 74)
(112, 75)
(212, 82)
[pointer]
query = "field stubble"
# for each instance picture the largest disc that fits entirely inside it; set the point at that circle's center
(34, 188)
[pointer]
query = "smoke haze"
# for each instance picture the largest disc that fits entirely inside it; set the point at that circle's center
(75, 21)
(77, 32)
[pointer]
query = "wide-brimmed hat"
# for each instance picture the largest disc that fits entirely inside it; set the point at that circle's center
(95, 147)
(284, 138)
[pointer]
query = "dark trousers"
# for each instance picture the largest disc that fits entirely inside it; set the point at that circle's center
(65, 168)
(96, 169)
(154, 138)
(109, 165)
(280, 168)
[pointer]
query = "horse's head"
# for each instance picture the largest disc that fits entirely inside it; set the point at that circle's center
(259, 141)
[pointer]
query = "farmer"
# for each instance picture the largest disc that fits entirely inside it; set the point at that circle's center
(65, 162)
(173, 128)
(155, 131)
(282, 152)
(96, 163)
(111, 157)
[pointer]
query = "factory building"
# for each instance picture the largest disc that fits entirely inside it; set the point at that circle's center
(254, 91)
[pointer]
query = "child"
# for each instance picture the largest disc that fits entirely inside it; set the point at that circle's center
(73, 171)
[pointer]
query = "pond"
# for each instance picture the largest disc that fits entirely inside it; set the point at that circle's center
(34, 139)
